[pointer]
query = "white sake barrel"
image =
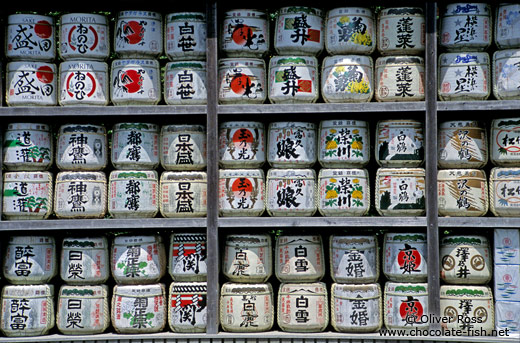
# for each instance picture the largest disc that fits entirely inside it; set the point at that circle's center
(507, 26)
(507, 282)
(400, 191)
(299, 31)
(188, 257)
(185, 83)
(504, 142)
(405, 304)
(462, 144)
(245, 33)
(81, 147)
(405, 257)
(185, 36)
(466, 26)
(462, 192)
(139, 309)
(303, 307)
(241, 81)
(241, 144)
(84, 36)
(183, 147)
(469, 309)
(464, 76)
(356, 308)
(507, 317)
(138, 259)
(80, 195)
(400, 143)
(27, 310)
(31, 84)
(135, 82)
(241, 192)
(291, 144)
(135, 146)
(183, 194)
(248, 258)
(291, 192)
(465, 260)
(401, 31)
(138, 34)
(506, 75)
(187, 309)
(344, 143)
(27, 146)
(84, 260)
(83, 82)
(133, 194)
(343, 192)
(507, 246)
(354, 259)
(347, 78)
(504, 199)
(30, 37)
(83, 310)
(299, 258)
(293, 79)
(399, 78)
(27, 195)
(246, 307)
(350, 30)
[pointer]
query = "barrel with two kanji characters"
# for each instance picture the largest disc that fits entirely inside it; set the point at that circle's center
(293, 79)
(245, 33)
(406, 306)
(466, 26)
(299, 258)
(183, 194)
(242, 81)
(31, 83)
(135, 146)
(405, 257)
(401, 31)
(185, 36)
(462, 144)
(133, 194)
(241, 192)
(82, 147)
(84, 260)
(350, 30)
(354, 259)
(504, 142)
(30, 37)
(27, 146)
(462, 192)
(400, 143)
(248, 258)
(399, 78)
(185, 83)
(183, 147)
(504, 192)
(291, 144)
(400, 191)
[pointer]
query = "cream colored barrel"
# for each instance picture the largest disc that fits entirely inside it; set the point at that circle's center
(293, 79)
(242, 144)
(507, 282)
(187, 309)
(299, 258)
(27, 146)
(401, 31)
(135, 146)
(241, 192)
(31, 83)
(242, 81)
(138, 34)
(399, 78)
(135, 82)
(350, 30)
(30, 37)
(462, 144)
(343, 192)
(183, 194)
(81, 147)
(84, 260)
(245, 33)
(84, 36)
(183, 147)
(405, 305)
(504, 200)
(299, 31)
(185, 36)
(507, 29)
(405, 257)
(291, 192)
(506, 74)
(291, 144)
(188, 256)
(462, 192)
(399, 143)
(83, 82)
(400, 191)
(354, 259)
(248, 258)
(504, 142)
(133, 194)
(185, 83)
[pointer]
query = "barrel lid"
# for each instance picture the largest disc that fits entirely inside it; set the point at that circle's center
(189, 287)
(395, 237)
(136, 126)
(83, 128)
(506, 123)
(13, 19)
(464, 8)
(32, 240)
(346, 122)
(291, 173)
(94, 291)
(230, 288)
(401, 172)
(291, 125)
(399, 123)
(183, 16)
(242, 124)
(357, 11)
(463, 58)
(177, 238)
(140, 291)
(199, 65)
(31, 66)
(139, 14)
(353, 242)
(125, 240)
(281, 61)
(356, 291)
(28, 126)
(134, 63)
(28, 291)
(249, 13)
(229, 173)
(501, 173)
(473, 240)
(32, 176)
(331, 173)
(300, 9)
(398, 60)
(454, 174)
(87, 65)
(459, 124)
(308, 289)
(398, 288)
(401, 11)
(241, 62)
(260, 240)
(72, 18)
(183, 176)
(474, 292)
(347, 60)
(83, 176)
(85, 242)
(183, 128)
(298, 239)
(150, 175)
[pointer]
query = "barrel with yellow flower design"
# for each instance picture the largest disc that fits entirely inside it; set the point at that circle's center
(343, 192)
(347, 78)
(350, 30)
(344, 144)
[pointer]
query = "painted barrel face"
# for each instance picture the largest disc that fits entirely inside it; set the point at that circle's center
(84, 36)
(185, 83)
(462, 144)
(299, 258)
(81, 147)
(291, 192)
(247, 307)
(183, 194)
(187, 307)
(344, 144)
(138, 34)
(466, 26)
(248, 258)
(400, 143)
(350, 30)
(405, 257)
(188, 257)
(245, 33)
(30, 37)
(83, 82)
(400, 191)
(135, 82)
(84, 260)
(354, 259)
(242, 81)
(505, 142)
(242, 144)
(401, 31)
(504, 201)
(462, 192)
(506, 246)
(405, 304)
(31, 84)
(185, 36)
(399, 78)
(133, 194)
(241, 192)
(291, 144)
(135, 146)
(507, 282)
(299, 31)
(343, 192)
(506, 74)
(27, 146)
(293, 79)
(183, 147)
(507, 316)
(507, 29)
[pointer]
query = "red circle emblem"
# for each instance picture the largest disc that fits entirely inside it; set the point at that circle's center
(45, 74)
(134, 30)
(242, 185)
(43, 29)
(241, 34)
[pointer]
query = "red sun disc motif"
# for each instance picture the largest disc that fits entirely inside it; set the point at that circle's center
(239, 82)
(415, 257)
(43, 29)
(45, 74)
(241, 33)
(136, 28)
(412, 308)
(133, 75)
(243, 135)
(242, 184)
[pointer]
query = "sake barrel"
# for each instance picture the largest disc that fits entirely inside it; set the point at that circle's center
(84, 36)
(241, 192)
(135, 82)
(241, 81)
(138, 259)
(504, 142)
(299, 31)
(293, 79)
(27, 195)
(83, 310)
(139, 309)
(245, 33)
(81, 147)
(400, 143)
(30, 37)
(246, 307)
(133, 194)
(30, 260)
(344, 143)
(466, 26)
(135, 146)
(356, 308)
(299, 258)
(462, 144)
(185, 83)
(400, 191)
(405, 304)
(183, 194)
(187, 310)
(188, 256)
(350, 30)
(354, 259)
(183, 147)
(506, 75)
(343, 192)
(507, 317)
(507, 282)
(470, 309)
(465, 260)
(507, 246)
(185, 36)
(464, 76)
(83, 82)
(241, 144)
(138, 34)
(291, 144)
(303, 307)
(507, 34)
(462, 192)
(291, 192)
(27, 146)
(399, 78)
(248, 258)
(84, 260)
(405, 257)
(504, 200)
(31, 83)
(80, 195)
(27, 310)
(347, 78)
(401, 31)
